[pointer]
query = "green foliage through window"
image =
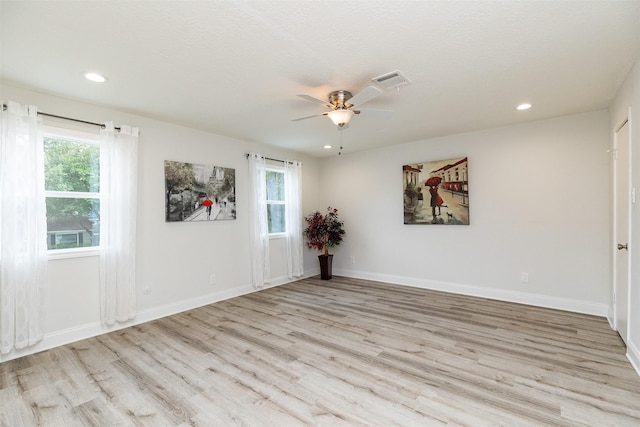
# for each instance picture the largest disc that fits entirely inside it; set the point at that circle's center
(72, 185)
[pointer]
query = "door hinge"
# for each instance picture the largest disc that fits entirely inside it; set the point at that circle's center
(614, 297)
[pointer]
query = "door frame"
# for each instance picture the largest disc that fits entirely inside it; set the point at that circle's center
(614, 237)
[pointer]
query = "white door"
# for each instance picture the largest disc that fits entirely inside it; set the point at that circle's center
(622, 197)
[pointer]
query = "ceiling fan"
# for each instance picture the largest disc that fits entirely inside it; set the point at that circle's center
(343, 105)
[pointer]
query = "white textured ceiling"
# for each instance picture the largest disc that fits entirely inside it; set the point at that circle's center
(234, 67)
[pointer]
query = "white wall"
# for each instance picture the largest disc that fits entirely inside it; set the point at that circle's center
(628, 99)
(538, 204)
(175, 260)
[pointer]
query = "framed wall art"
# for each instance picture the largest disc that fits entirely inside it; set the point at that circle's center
(199, 192)
(436, 192)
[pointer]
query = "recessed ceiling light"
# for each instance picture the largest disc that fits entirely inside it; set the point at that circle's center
(327, 147)
(523, 107)
(95, 77)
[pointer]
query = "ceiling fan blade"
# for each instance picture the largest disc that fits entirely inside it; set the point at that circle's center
(315, 100)
(309, 117)
(365, 95)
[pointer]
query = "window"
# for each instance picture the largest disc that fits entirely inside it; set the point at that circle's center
(275, 201)
(72, 190)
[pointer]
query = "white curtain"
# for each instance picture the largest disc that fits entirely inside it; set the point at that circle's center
(118, 209)
(259, 231)
(23, 228)
(293, 200)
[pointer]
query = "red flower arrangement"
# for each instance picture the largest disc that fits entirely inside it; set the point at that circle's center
(324, 231)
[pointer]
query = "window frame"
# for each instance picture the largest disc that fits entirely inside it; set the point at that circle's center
(84, 137)
(280, 170)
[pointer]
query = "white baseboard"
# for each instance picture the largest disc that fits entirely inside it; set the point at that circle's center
(93, 329)
(576, 306)
(610, 316)
(89, 330)
(633, 354)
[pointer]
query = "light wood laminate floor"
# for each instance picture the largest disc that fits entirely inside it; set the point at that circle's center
(344, 352)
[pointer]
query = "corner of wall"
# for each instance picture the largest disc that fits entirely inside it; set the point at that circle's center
(633, 354)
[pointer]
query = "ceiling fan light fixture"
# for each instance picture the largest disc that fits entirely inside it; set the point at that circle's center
(340, 117)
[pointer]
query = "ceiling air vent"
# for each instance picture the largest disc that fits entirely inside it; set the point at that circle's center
(392, 80)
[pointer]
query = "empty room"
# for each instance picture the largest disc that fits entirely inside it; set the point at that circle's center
(329, 213)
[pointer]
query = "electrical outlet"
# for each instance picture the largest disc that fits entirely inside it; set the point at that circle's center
(212, 279)
(524, 277)
(353, 260)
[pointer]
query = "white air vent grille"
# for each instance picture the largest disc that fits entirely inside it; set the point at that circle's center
(392, 79)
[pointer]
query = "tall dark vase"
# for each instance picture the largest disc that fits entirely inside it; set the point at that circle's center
(325, 266)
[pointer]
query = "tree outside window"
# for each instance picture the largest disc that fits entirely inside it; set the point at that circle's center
(72, 189)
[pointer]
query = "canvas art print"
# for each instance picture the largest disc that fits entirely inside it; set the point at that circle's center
(199, 192)
(436, 192)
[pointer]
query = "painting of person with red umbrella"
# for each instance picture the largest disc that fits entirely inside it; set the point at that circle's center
(208, 203)
(448, 186)
(436, 200)
(196, 192)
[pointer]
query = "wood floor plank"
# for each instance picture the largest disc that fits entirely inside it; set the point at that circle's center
(345, 352)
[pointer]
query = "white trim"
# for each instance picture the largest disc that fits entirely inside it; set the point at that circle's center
(546, 301)
(610, 317)
(86, 251)
(280, 170)
(614, 230)
(96, 328)
(275, 168)
(89, 330)
(72, 194)
(75, 135)
(79, 137)
(93, 329)
(614, 227)
(633, 354)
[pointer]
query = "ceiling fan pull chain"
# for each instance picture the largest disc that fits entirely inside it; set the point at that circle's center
(340, 152)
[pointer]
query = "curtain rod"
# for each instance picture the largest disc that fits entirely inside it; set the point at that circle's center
(269, 158)
(55, 116)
